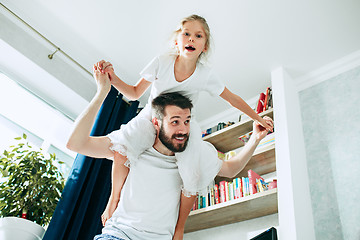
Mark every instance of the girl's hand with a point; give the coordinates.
(106, 67)
(259, 131)
(267, 123)
(102, 80)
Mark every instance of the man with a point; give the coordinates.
(151, 204)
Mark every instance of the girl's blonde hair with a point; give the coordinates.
(190, 18)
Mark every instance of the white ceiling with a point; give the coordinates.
(251, 37)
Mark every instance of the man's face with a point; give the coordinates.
(175, 128)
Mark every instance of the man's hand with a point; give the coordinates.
(102, 80)
(259, 131)
(106, 67)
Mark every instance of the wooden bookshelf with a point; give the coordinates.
(262, 162)
(228, 138)
(241, 209)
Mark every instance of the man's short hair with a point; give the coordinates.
(166, 99)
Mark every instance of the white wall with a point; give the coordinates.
(330, 116)
(24, 58)
(329, 112)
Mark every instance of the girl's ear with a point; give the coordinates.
(204, 50)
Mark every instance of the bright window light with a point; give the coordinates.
(23, 112)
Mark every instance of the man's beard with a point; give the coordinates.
(167, 141)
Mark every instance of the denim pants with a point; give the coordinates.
(106, 237)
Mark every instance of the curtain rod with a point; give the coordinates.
(47, 40)
(52, 44)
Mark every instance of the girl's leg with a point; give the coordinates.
(119, 174)
(198, 164)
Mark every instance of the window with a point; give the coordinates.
(23, 112)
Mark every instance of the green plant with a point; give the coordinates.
(31, 183)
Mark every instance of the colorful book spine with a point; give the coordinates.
(260, 105)
(236, 187)
(226, 191)
(222, 191)
(267, 140)
(252, 181)
(212, 197)
(240, 191)
(267, 97)
(231, 191)
(221, 155)
(247, 189)
(216, 189)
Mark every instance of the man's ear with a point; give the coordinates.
(156, 124)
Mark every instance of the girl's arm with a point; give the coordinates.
(237, 102)
(129, 91)
(186, 204)
(80, 140)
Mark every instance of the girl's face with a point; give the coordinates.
(191, 41)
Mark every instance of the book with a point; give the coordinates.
(231, 191)
(259, 186)
(212, 197)
(216, 190)
(221, 155)
(267, 95)
(245, 138)
(229, 155)
(236, 187)
(222, 191)
(247, 186)
(252, 180)
(226, 191)
(266, 141)
(246, 191)
(260, 105)
(269, 101)
(240, 187)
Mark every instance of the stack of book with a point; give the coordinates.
(225, 191)
(265, 101)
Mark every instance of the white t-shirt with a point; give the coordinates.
(198, 164)
(160, 71)
(150, 198)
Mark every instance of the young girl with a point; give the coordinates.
(181, 72)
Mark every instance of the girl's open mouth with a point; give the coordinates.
(190, 48)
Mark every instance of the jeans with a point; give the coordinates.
(106, 237)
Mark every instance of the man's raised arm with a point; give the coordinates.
(80, 140)
(234, 165)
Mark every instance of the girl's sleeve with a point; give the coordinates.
(132, 139)
(214, 85)
(149, 73)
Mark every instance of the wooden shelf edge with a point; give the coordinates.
(222, 131)
(266, 148)
(249, 207)
(233, 202)
(257, 163)
(227, 139)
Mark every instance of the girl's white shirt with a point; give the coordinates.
(199, 163)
